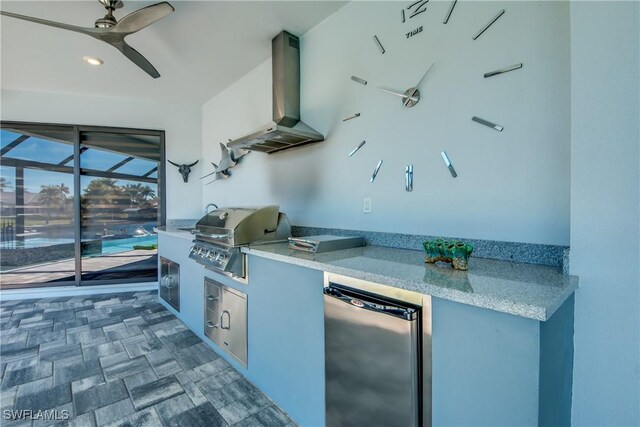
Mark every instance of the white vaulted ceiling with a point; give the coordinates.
(199, 50)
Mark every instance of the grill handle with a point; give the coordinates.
(211, 236)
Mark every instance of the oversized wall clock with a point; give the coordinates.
(409, 26)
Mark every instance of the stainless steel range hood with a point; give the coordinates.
(286, 130)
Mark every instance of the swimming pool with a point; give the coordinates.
(120, 245)
(108, 246)
(34, 242)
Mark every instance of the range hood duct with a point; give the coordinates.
(286, 131)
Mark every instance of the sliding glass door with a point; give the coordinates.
(37, 219)
(119, 205)
(79, 204)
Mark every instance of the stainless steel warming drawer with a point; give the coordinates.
(225, 319)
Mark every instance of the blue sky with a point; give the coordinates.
(52, 152)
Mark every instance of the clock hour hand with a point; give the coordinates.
(415, 88)
(402, 95)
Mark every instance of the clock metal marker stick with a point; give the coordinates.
(419, 11)
(415, 89)
(375, 172)
(503, 70)
(359, 80)
(403, 19)
(357, 148)
(408, 178)
(351, 117)
(448, 163)
(487, 123)
(490, 23)
(453, 4)
(379, 44)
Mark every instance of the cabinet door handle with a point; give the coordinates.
(222, 320)
(212, 298)
(211, 325)
(169, 281)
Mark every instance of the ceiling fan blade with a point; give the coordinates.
(142, 18)
(93, 32)
(137, 58)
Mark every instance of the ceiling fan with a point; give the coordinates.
(113, 32)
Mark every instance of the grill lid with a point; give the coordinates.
(237, 225)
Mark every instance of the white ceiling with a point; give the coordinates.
(199, 50)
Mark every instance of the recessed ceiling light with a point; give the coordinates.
(92, 60)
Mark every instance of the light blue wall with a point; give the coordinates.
(605, 203)
(286, 336)
(485, 367)
(556, 367)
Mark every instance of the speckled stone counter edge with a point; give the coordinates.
(174, 225)
(529, 311)
(530, 253)
(181, 223)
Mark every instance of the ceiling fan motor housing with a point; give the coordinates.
(109, 20)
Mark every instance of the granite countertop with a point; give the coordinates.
(526, 290)
(175, 231)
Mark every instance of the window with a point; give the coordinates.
(79, 204)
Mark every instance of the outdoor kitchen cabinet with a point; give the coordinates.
(488, 367)
(175, 248)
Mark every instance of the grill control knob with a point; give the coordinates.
(224, 215)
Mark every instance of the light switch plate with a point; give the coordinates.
(366, 205)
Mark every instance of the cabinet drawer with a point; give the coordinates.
(212, 325)
(225, 323)
(212, 296)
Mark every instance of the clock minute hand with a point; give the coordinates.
(415, 88)
(402, 95)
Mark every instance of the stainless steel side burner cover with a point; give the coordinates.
(325, 243)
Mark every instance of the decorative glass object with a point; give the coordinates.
(451, 251)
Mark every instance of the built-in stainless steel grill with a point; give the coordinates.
(221, 233)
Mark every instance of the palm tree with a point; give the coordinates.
(147, 193)
(53, 197)
(103, 196)
(5, 184)
(139, 194)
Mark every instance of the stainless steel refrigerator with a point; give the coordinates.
(372, 359)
